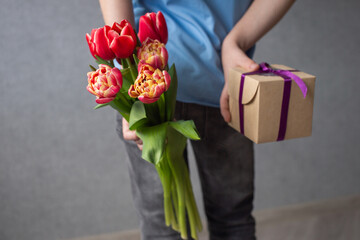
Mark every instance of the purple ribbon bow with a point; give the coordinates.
(287, 75)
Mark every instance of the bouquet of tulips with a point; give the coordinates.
(143, 91)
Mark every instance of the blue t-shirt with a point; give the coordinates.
(196, 30)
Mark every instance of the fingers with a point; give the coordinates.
(139, 144)
(130, 135)
(224, 104)
(249, 65)
(127, 133)
(232, 56)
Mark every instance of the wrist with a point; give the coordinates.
(238, 40)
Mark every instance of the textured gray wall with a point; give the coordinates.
(62, 168)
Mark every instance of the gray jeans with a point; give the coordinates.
(225, 161)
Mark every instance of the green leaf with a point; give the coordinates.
(186, 128)
(154, 139)
(121, 107)
(170, 94)
(176, 143)
(92, 68)
(137, 116)
(125, 99)
(101, 105)
(99, 60)
(152, 113)
(127, 81)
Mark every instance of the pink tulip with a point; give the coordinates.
(154, 53)
(104, 83)
(110, 42)
(150, 84)
(153, 26)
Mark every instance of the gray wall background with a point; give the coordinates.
(62, 169)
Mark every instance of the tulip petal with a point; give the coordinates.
(167, 79)
(102, 45)
(111, 91)
(157, 63)
(152, 16)
(89, 88)
(111, 35)
(124, 28)
(123, 46)
(154, 53)
(116, 27)
(147, 100)
(146, 29)
(161, 27)
(165, 55)
(104, 83)
(118, 76)
(91, 45)
(104, 100)
(128, 30)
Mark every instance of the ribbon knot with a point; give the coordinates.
(265, 68)
(287, 75)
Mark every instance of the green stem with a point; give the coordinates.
(191, 203)
(191, 216)
(175, 198)
(133, 71)
(124, 64)
(181, 190)
(186, 199)
(169, 178)
(174, 222)
(176, 171)
(111, 63)
(167, 202)
(138, 43)
(173, 201)
(161, 105)
(182, 209)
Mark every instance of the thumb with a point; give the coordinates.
(246, 63)
(253, 66)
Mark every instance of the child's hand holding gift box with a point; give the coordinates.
(272, 104)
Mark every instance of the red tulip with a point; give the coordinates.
(104, 83)
(150, 84)
(124, 43)
(110, 42)
(153, 26)
(99, 42)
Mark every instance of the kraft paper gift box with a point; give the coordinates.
(272, 106)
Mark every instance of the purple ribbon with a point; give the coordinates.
(287, 75)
